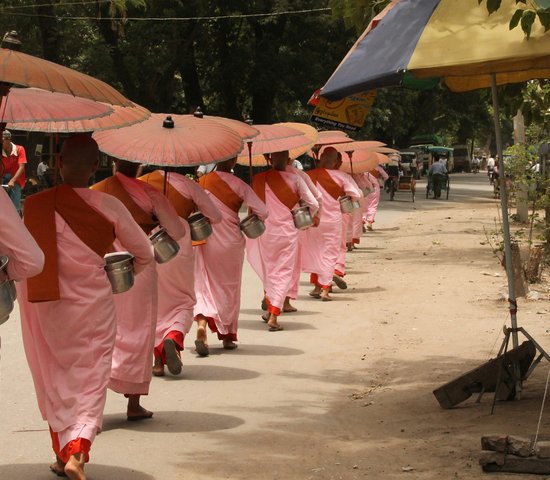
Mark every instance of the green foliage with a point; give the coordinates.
(525, 16)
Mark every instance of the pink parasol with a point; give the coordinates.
(308, 131)
(272, 138)
(176, 140)
(362, 161)
(34, 104)
(119, 117)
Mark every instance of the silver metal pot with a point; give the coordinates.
(302, 218)
(7, 291)
(252, 226)
(347, 205)
(120, 271)
(200, 227)
(165, 247)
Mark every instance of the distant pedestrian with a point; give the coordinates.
(14, 160)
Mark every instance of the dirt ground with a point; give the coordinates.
(345, 391)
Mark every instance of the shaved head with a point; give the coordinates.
(279, 160)
(80, 153)
(330, 158)
(128, 169)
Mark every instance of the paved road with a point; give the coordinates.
(230, 415)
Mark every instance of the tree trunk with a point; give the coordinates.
(49, 30)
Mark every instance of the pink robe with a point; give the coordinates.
(293, 292)
(363, 182)
(321, 245)
(273, 255)
(25, 257)
(374, 198)
(219, 263)
(69, 342)
(137, 308)
(176, 278)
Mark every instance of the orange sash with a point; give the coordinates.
(92, 228)
(221, 190)
(183, 205)
(375, 173)
(113, 187)
(323, 178)
(278, 186)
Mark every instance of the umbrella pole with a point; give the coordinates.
(165, 185)
(505, 223)
(351, 161)
(512, 301)
(250, 172)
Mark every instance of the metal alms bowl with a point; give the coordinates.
(302, 218)
(7, 291)
(200, 227)
(252, 226)
(120, 271)
(347, 205)
(164, 246)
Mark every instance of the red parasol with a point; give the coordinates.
(176, 140)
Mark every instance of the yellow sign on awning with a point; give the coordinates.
(348, 113)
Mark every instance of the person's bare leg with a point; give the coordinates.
(201, 343)
(74, 468)
(287, 307)
(135, 411)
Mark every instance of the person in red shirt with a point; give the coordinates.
(14, 160)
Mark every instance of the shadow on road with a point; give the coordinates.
(285, 320)
(258, 350)
(40, 471)
(172, 422)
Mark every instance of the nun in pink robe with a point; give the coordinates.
(321, 245)
(373, 199)
(273, 255)
(25, 257)
(69, 342)
(219, 262)
(176, 278)
(365, 185)
(293, 292)
(137, 308)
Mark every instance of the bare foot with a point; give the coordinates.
(316, 292)
(201, 343)
(273, 324)
(58, 467)
(139, 413)
(229, 344)
(158, 367)
(325, 297)
(74, 468)
(287, 307)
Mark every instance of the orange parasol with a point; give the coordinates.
(176, 140)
